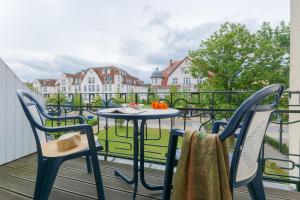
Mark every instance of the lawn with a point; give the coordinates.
(155, 147)
(119, 144)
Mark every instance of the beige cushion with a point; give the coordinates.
(52, 149)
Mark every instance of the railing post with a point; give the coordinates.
(136, 98)
(80, 106)
(58, 108)
(280, 135)
(106, 130)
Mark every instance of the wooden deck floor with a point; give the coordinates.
(17, 181)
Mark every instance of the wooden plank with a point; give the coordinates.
(77, 182)
(26, 189)
(73, 179)
(4, 194)
(77, 170)
(110, 181)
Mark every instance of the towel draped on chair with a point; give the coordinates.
(203, 169)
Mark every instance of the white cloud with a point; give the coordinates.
(43, 38)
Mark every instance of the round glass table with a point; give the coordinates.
(138, 141)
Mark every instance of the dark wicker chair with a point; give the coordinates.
(48, 164)
(245, 168)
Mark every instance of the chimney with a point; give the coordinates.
(171, 62)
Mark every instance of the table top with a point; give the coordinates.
(147, 114)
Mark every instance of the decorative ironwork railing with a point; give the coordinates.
(198, 111)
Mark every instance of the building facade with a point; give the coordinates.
(45, 86)
(108, 79)
(176, 74)
(70, 83)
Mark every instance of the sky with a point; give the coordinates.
(43, 38)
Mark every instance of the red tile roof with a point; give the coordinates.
(78, 75)
(47, 82)
(126, 78)
(170, 69)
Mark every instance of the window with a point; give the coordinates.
(155, 81)
(89, 80)
(199, 81)
(79, 88)
(187, 81)
(175, 81)
(93, 88)
(85, 88)
(98, 88)
(93, 79)
(45, 89)
(90, 88)
(110, 88)
(105, 87)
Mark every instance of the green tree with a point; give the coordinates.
(178, 97)
(97, 101)
(76, 101)
(119, 99)
(235, 59)
(56, 98)
(226, 55)
(130, 96)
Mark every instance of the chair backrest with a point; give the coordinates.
(33, 111)
(254, 113)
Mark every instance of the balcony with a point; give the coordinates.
(198, 111)
(17, 181)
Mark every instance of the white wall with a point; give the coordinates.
(180, 73)
(294, 134)
(37, 86)
(16, 137)
(91, 73)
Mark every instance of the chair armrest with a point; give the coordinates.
(79, 127)
(78, 117)
(216, 126)
(84, 128)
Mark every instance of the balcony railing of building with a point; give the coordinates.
(198, 111)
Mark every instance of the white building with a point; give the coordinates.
(176, 74)
(70, 83)
(45, 86)
(109, 79)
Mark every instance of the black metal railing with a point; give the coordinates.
(198, 110)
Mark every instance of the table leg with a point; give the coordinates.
(134, 179)
(142, 160)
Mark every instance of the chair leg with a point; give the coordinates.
(51, 172)
(88, 164)
(170, 167)
(256, 187)
(98, 177)
(39, 179)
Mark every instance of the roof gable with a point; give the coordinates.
(171, 68)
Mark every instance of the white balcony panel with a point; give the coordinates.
(16, 137)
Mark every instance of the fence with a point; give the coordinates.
(198, 111)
